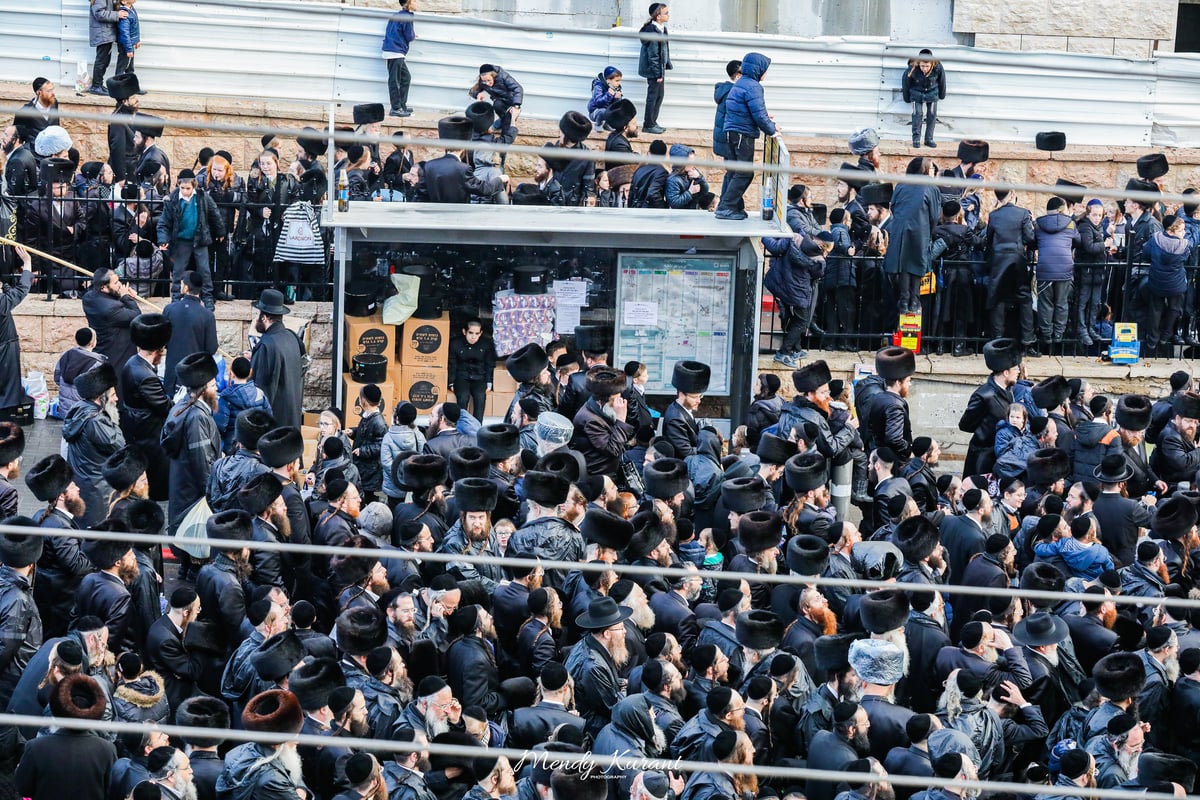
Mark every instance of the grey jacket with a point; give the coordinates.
(252, 772)
(102, 23)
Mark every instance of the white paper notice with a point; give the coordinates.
(641, 314)
(570, 293)
(566, 318)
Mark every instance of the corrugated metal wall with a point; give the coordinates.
(278, 50)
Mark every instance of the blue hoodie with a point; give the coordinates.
(745, 108)
(399, 34)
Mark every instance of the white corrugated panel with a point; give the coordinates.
(318, 53)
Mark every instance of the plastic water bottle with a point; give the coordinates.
(343, 192)
(768, 208)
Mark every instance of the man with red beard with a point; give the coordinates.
(811, 404)
(1092, 632)
(594, 662)
(814, 619)
(190, 437)
(105, 593)
(262, 498)
(63, 564)
(472, 534)
(888, 416)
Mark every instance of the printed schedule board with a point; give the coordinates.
(675, 308)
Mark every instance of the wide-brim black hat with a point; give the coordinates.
(257, 495)
(917, 538)
(468, 462)
(250, 426)
(1113, 469)
(745, 494)
(1187, 405)
(1050, 393)
(424, 471)
(279, 447)
(19, 550)
(1133, 412)
(150, 331)
(455, 128)
(313, 681)
(1119, 676)
(575, 126)
(1041, 629)
(1154, 767)
(271, 302)
(811, 377)
(203, 711)
(360, 630)
(232, 524)
(774, 450)
(603, 612)
(604, 382)
(144, 517)
(196, 370)
(273, 711)
(806, 471)
(621, 113)
(759, 530)
(499, 440)
(664, 478)
(884, 610)
(833, 652)
(606, 529)
(875, 194)
(758, 629)
(49, 478)
(691, 377)
(123, 87)
(593, 338)
(547, 489)
(367, 113)
(1002, 354)
(482, 115)
(122, 469)
(807, 555)
(973, 151)
(1152, 166)
(475, 494)
(276, 657)
(895, 363)
(148, 125)
(1051, 141)
(1046, 465)
(96, 381)
(103, 554)
(527, 363)
(1173, 518)
(12, 442)
(568, 464)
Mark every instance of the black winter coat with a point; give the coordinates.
(368, 442)
(472, 675)
(229, 474)
(193, 330)
(1120, 518)
(59, 572)
(926, 638)
(191, 441)
(648, 189)
(601, 440)
(143, 409)
(279, 373)
(472, 362)
(1092, 640)
(222, 598)
(597, 686)
(251, 773)
(41, 774)
(106, 596)
(91, 437)
(532, 725)
(987, 406)
(210, 226)
(915, 80)
(167, 655)
(887, 725)
(20, 630)
(655, 57)
(889, 423)
(110, 317)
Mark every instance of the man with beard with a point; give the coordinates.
(144, 402)
(811, 405)
(814, 619)
(888, 417)
(63, 565)
(1176, 458)
(171, 771)
(996, 566)
(759, 533)
(280, 450)
(673, 612)
(359, 630)
(261, 497)
(21, 170)
(425, 476)
(267, 618)
(880, 666)
(709, 669)
(629, 595)
(989, 403)
(124, 89)
(1161, 659)
(276, 362)
(844, 536)
(919, 473)
(964, 535)
(338, 522)
(472, 534)
(925, 635)
(147, 129)
(190, 437)
(545, 534)
(981, 646)
(349, 720)
(254, 770)
(530, 368)
(470, 666)
(1119, 678)
(20, 623)
(1092, 631)
(12, 446)
(595, 660)
(951, 766)
(841, 683)
(835, 749)
(433, 710)
(662, 686)
(501, 444)
(691, 380)
(442, 435)
(924, 558)
(105, 593)
(387, 692)
(602, 427)
(1041, 634)
(92, 435)
(1117, 754)
(166, 651)
(231, 473)
(359, 581)
(536, 646)
(219, 583)
(404, 777)
(496, 779)
(1076, 769)
(313, 682)
(401, 611)
(721, 632)
(724, 710)
(365, 777)
(631, 734)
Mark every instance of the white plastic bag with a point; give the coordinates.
(83, 77)
(35, 387)
(192, 533)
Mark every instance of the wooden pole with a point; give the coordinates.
(69, 265)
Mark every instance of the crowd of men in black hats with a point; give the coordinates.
(913, 679)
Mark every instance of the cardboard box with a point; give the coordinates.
(369, 335)
(311, 420)
(425, 342)
(424, 387)
(502, 381)
(498, 403)
(350, 391)
(310, 434)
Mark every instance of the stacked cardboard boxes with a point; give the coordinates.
(423, 353)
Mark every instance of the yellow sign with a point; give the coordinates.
(929, 283)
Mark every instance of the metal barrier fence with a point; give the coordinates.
(957, 316)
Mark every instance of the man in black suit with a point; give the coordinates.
(1119, 516)
(690, 379)
(448, 179)
(1091, 632)
(193, 327)
(532, 725)
(833, 750)
(40, 112)
(964, 535)
(672, 610)
(166, 652)
(989, 403)
(110, 307)
(121, 157)
(21, 171)
(1010, 236)
(144, 400)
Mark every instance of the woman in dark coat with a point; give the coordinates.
(916, 210)
(268, 193)
(11, 393)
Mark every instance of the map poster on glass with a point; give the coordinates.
(675, 308)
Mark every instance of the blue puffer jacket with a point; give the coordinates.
(129, 31)
(1167, 255)
(600, 95)
(745, 108)
(1056, 235)
(1191, 232)
(720, 92)
(399, 34)
(793, 273)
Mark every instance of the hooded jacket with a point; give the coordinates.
(505, 89)
(1168, 255)
(745, 107)
(793, 274)
(233, 400)
(229, 475)
(91, 437)
(1056, 236)
(191, 440)
(720, 93)
(629, 735)
(1094, 440)
(142, 700)
(982, 725)
(254, 772)
(601, 98)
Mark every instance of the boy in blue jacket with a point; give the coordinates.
(240, 395)
(1057, 237)
(745, 116)
(129, 36)
(396, 40)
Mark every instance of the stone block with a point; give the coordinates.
(29, 333)
(1099, 45)
(1043, 43)
(998, 41)
(231, 337)
(1133, 48)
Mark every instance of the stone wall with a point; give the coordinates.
(1104, 27)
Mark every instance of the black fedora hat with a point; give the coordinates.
(271, 302)
(1113, 469)
(1041, 629)
(603, 612)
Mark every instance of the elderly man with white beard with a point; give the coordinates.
(759, 533)
(595, 660)
(256, 771)
(641, 622)
(880, 666)
(171, 769)
(1161, 658)
(962, 708)
(989, 653)
(434, 709)
(1117, 752)
(951, 766)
